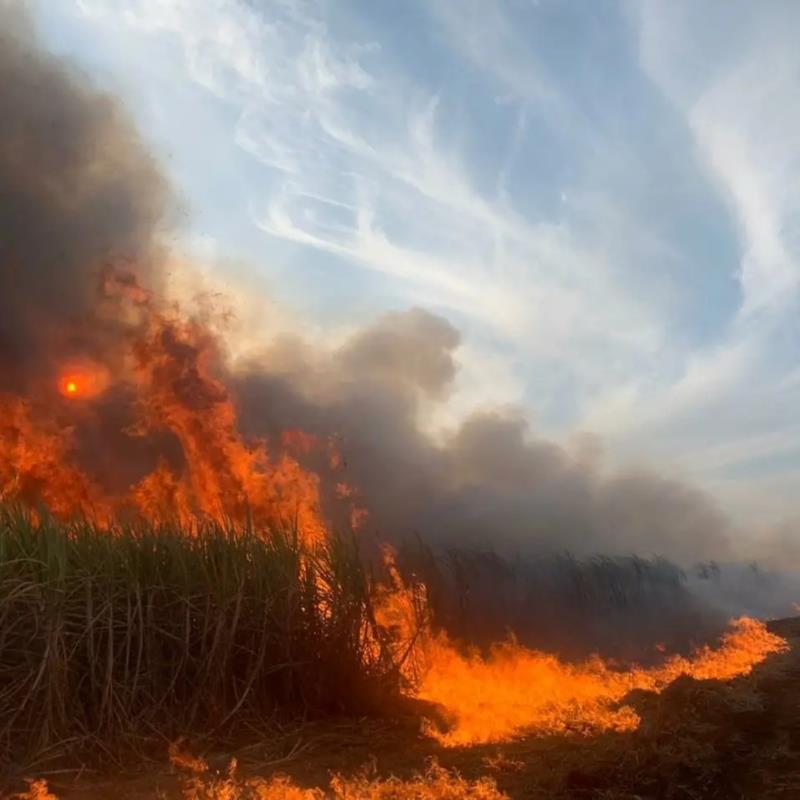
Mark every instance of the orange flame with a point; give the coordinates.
(171, 365)
(35, 465)
(83, 378)
(224, 477)
(516, 690)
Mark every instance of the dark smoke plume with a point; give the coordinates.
(516, 532)
(78, 191)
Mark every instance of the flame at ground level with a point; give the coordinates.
(516, 690)
(436, 783)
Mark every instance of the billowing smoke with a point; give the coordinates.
(490, 482)
(78, 191)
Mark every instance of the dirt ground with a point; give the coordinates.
(698, 739)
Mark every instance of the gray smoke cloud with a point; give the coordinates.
(78, 190)
(526, 534)
(491, 481)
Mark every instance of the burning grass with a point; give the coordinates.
(515, 689)
(698, 738)
(108, 635)
(435, 783)
(111, 635)
(625, 607)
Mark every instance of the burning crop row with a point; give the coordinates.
(514, 690)
(166, 377)
(107, 633)
(226, 594)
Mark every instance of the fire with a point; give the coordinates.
(516, 690)
(436, 783)
(224, 477)
(171, 365)
(35, 465)
(83, 378)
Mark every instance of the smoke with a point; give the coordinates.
(78, 191)
(746, 588)
(491, 481)
(498, 505)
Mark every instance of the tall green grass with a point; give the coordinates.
(108, 637)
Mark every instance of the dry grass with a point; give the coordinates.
(700, 740)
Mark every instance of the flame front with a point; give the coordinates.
(516, 690)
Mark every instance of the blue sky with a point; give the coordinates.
(603, 197)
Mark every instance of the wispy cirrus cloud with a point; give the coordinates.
(746, 125)
(365, 165)
(726, 417)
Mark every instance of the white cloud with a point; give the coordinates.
(750, 139)
(729, 409)
(745, 118)
(363, 172)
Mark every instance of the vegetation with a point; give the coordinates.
(123, 640)
(108, 637)
(619, 607)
